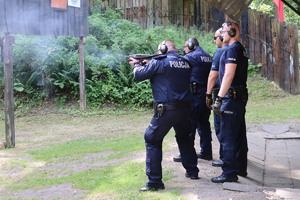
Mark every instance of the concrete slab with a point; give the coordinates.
(276, 128)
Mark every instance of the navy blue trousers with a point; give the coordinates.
(200, 122)
(180, 120)
(233, 136)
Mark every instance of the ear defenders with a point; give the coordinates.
(191, 45)
(232, 32)
(163, 48)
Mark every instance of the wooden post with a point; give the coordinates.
(82, 74)
(8, 41)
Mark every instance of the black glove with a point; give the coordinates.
(217, 106)
(209, 100)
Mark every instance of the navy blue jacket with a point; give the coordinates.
(201, 63)
(169, 76)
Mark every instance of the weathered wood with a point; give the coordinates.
(8, 41)
(165, 13)
(150, 13)
(270, 56)
(37, 17)
(82, 73)
(186, 14)
(257, 48)
(262, 38)
(157, 13)
(287, 65)
(251, 35)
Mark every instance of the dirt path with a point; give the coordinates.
(47, 128)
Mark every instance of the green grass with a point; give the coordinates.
(121, 146)
(268, 103)
(120, 181)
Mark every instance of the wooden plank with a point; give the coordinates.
(281, 71)
(262, 37)
(179, 12)
(15, 17)
(251, 35)
(257, 52)
(270, 56)
(31, 17)
(84, 21)
(186, 14)
(244, 30)
(286, 64)
(82, 74)
(157, 12)
(294, 56)
(150, 13)
(8, 41)
(3, 27)
(165, 15)
(276, 48)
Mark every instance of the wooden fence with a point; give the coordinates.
(275, 46)
(269, 42)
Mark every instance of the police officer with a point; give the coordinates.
(201, 63)
(231, 105)
(169, 76)
(213, 87)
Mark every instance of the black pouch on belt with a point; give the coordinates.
(193, 88)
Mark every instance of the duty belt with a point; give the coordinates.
(160, 108)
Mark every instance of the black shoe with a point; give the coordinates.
(193, 177)
(243, 174)
(224, 178)
(177, 158)
(204, 157)
(148, 188)
(218, 163)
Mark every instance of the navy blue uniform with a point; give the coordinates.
(201, 63)
(233, 126)
(215, 67)
(169, 76)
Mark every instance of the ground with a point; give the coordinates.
(45, 127)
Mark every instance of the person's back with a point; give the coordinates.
(201, 64)
(169, 75)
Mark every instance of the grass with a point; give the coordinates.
(268, 103)
(119, 175)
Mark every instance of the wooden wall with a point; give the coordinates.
(275, 46)
(269, 42)
(37, 17)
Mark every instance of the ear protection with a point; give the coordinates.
(163, 48)
(220, 37)
(232, 32)
(191, 45)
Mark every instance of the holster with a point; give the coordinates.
(194, 89)
(238, 92)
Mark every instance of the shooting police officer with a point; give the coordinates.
(231, 105)
(169, 76)
(200, 63)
